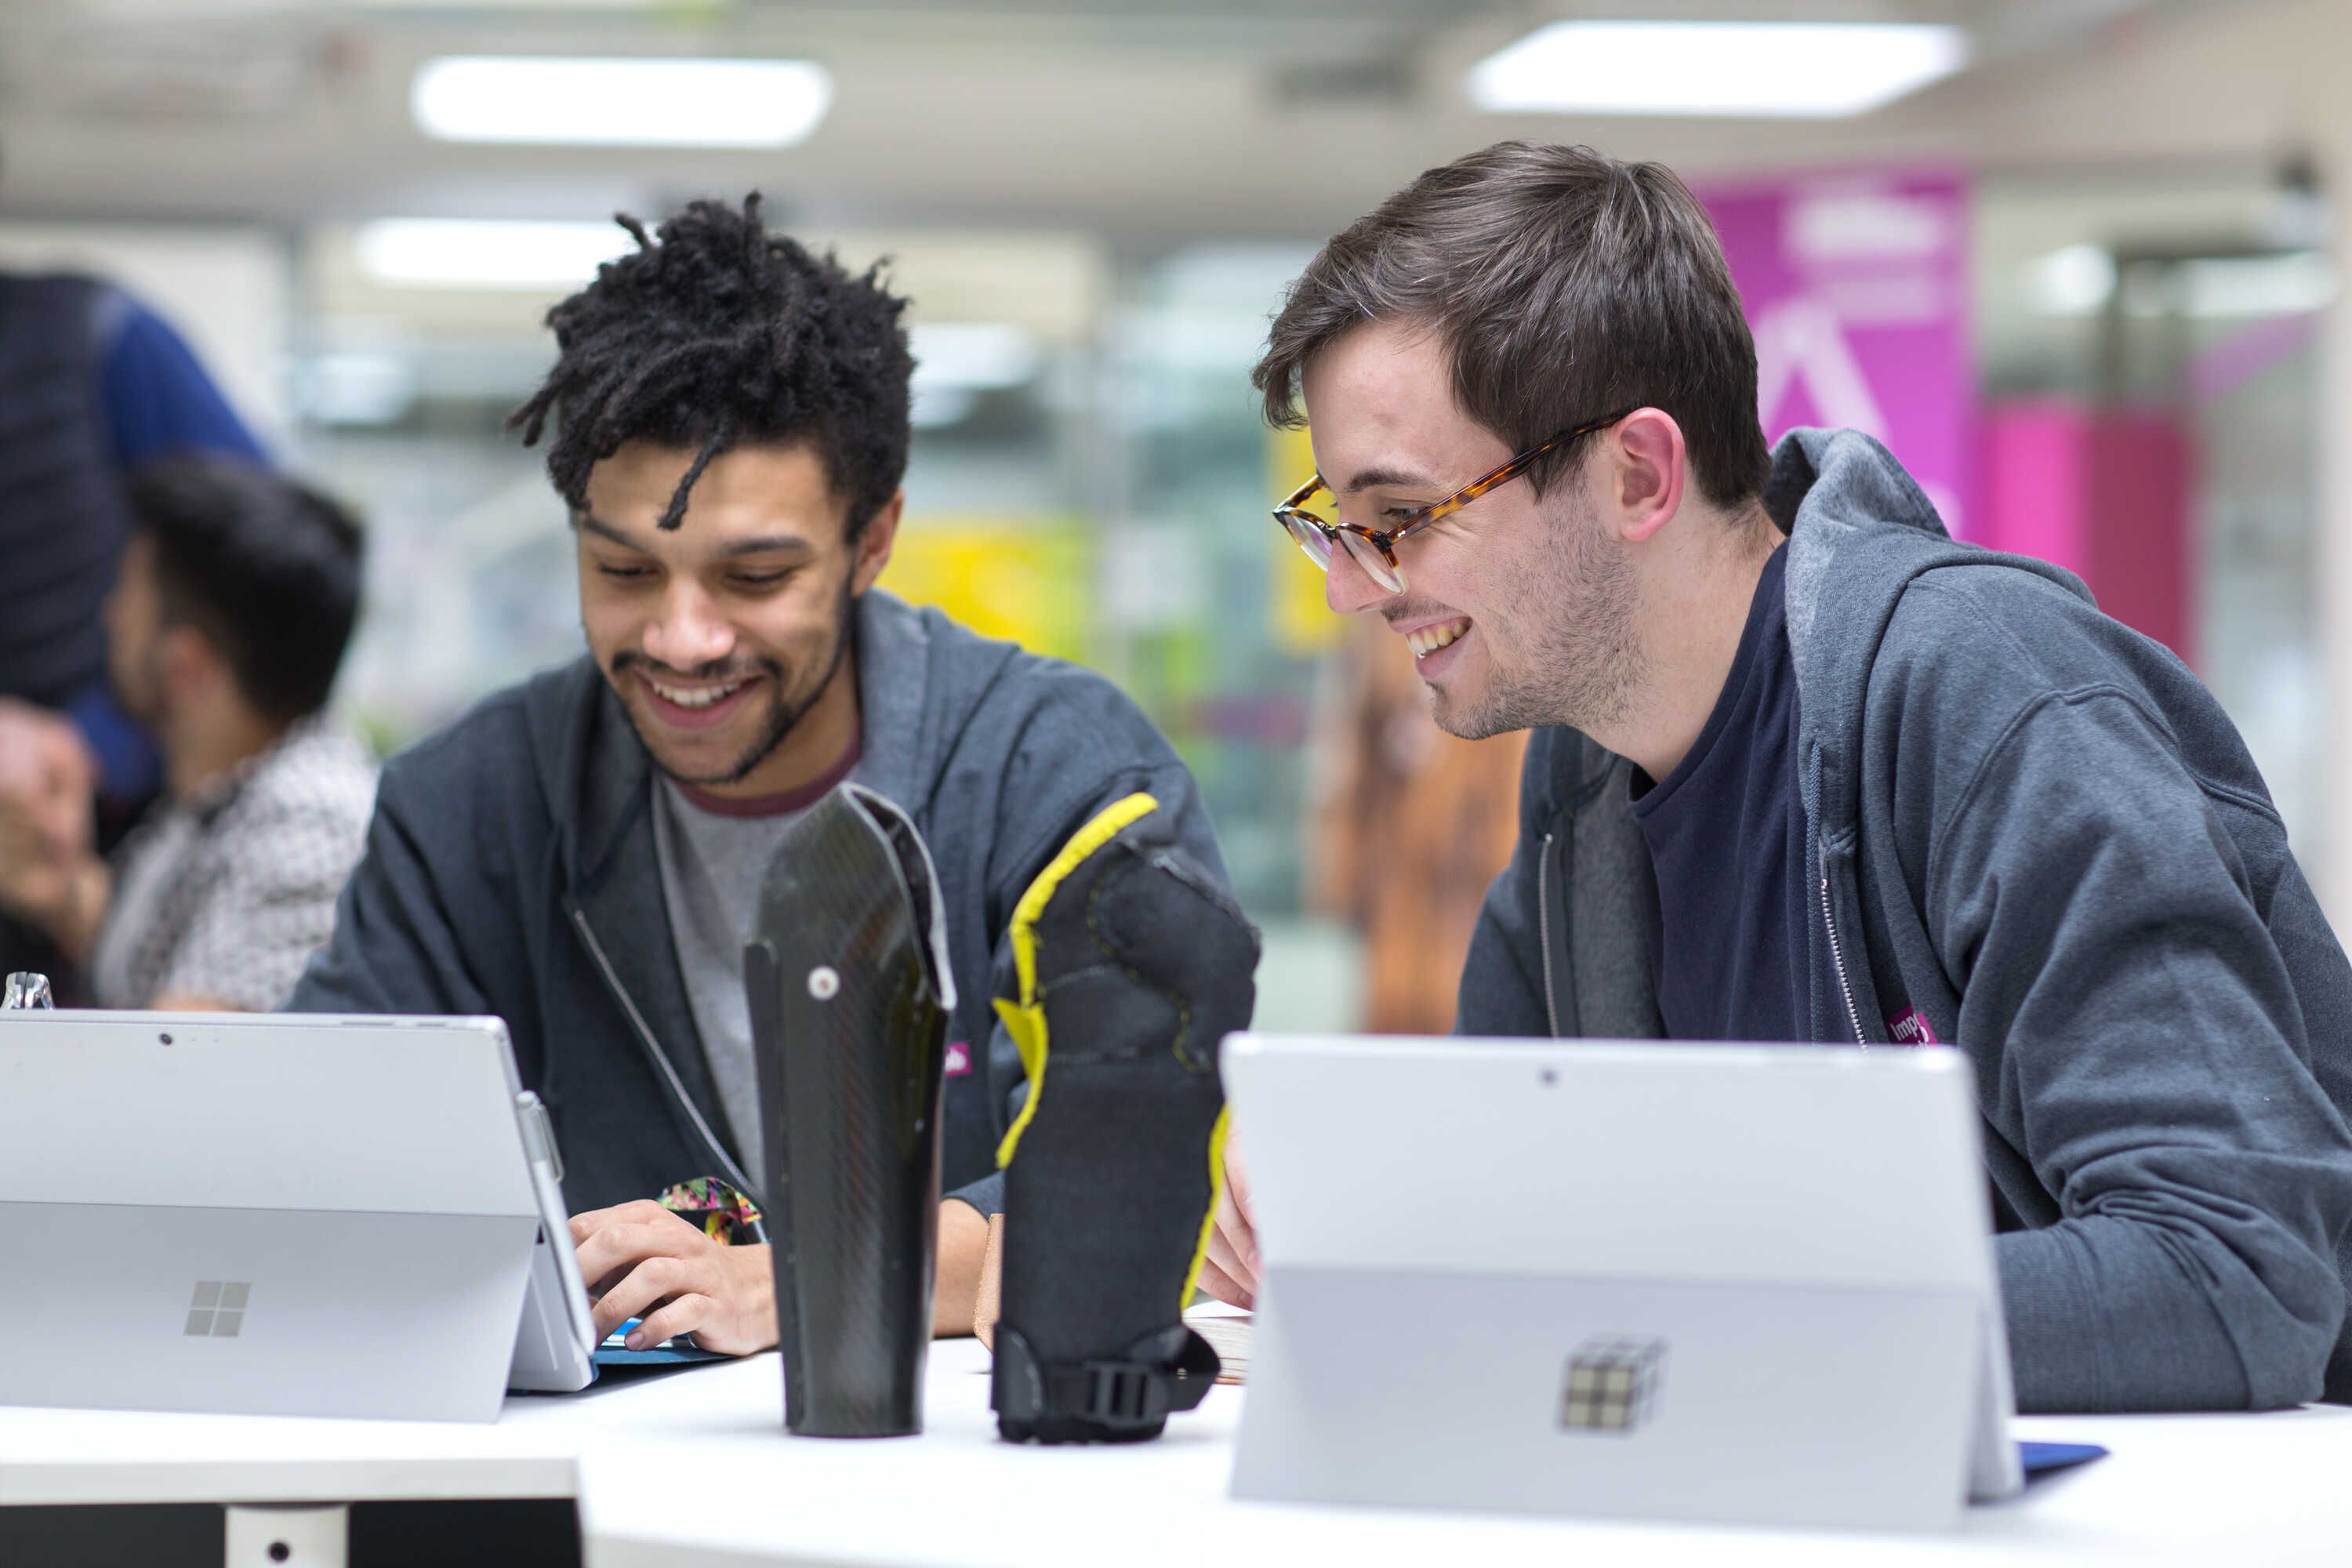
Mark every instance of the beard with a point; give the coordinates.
(1562, 648)
(785, 706)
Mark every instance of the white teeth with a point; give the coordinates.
(700, 699)
(1429, 639)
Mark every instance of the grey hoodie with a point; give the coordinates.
(2032, 833)
(510, 869)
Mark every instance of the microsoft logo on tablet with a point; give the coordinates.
(219, 1309)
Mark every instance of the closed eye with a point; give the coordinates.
(624, 573)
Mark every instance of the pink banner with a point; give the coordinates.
(2104, 493)
(1856, 289)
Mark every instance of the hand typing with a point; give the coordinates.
(640, 1260)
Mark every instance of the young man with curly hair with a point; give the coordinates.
(581, 854)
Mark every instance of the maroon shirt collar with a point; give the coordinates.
(777, 804)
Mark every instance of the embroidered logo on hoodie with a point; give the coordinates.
(1910, 1027)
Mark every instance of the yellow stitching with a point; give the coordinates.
(1176, 1048)
(1106, 826)
(1216, 1196)
(1025, 1020)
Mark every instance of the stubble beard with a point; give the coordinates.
(784, 711)
(1563, 649)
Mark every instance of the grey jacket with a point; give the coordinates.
(511, 870)
(2032, 828)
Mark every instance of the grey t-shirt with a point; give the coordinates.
(711, 863)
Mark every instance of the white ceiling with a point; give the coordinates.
(1145, 121)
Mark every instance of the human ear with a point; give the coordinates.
(873, 544)
(1646, 473)
(187, 662)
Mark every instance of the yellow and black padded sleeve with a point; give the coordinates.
(1131, 963)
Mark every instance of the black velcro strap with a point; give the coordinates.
(1168, 1370)
(1119, 1394)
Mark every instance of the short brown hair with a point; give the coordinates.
(1565, 285)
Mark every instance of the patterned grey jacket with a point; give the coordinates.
(227, 896)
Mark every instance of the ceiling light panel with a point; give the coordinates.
(620, 102)
(471, 253)
(1808, 70)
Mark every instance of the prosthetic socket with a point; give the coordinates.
(1130, 967)
(850, 997)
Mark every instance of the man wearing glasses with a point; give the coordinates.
(1805, 769)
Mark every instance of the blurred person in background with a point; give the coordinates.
(236, 594)
(1409, 826)
(1805, 769)
(96, 384)
(582, 854)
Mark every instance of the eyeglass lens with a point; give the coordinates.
(1317, 542)
(1311, 539)
(1376, 565)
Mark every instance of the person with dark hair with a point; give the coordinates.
(582, 854)
(236, 595)
(1805, 769)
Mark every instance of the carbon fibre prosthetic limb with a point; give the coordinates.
(1132, 964)
(851, 994)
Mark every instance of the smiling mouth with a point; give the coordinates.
(692, 697)
(1429, 639)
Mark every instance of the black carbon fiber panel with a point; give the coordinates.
(850, 1038)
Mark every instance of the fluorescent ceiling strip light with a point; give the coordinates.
(980, 356)
(620, 102)
(470, 253)
(1807, 70)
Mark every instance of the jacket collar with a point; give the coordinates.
(894, 694)
(1860, 531)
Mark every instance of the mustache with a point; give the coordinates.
(1396, 613)
(718, 669)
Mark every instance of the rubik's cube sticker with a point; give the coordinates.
(1612, 1383)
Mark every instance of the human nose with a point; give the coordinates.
(687, 632)
(1348, 588)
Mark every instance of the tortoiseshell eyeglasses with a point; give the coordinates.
(1374, 550)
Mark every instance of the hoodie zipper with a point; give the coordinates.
(1837, 958)
(1543, 931)
(717, 1153)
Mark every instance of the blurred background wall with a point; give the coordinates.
(2084, 278)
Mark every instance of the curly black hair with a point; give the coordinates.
(714, 333)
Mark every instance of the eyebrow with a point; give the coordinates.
(767, 544)
(1390, 478)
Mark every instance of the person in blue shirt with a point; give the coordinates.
(155, 394)
(92, 384)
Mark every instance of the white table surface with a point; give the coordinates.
(695, 1466)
